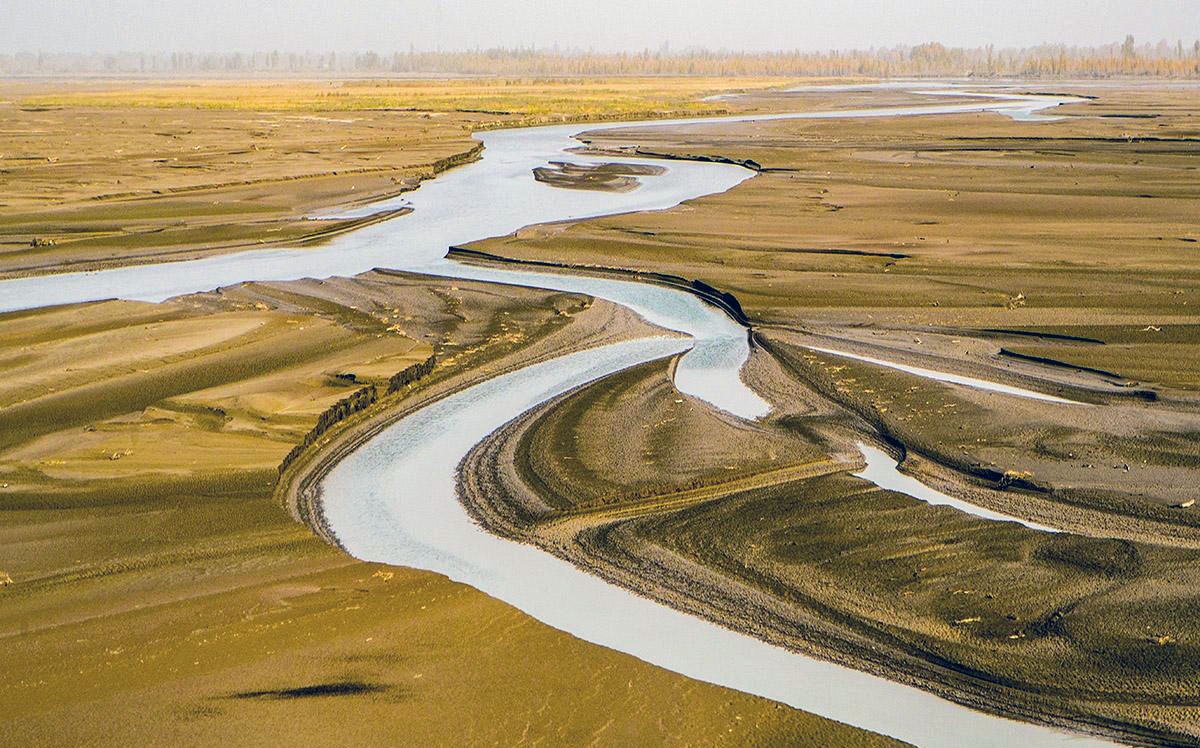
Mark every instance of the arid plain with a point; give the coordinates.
(158, 588)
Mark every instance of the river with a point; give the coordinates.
(394, 499)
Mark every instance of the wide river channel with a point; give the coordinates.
(394, 500)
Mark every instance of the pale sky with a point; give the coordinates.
(602, 25)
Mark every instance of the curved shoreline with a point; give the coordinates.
(298, 488)
(723, 300)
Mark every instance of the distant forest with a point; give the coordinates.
(1128, 58)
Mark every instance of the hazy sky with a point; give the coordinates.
(388, 25)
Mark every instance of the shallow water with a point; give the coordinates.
(884, 472)
(941, 376)
(1026, 108)
(394, 499)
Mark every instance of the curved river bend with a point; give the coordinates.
(425, 526)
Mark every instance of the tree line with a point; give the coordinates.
(1127, 58)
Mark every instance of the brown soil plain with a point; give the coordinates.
(153, 589)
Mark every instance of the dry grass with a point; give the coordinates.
(539, 98)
